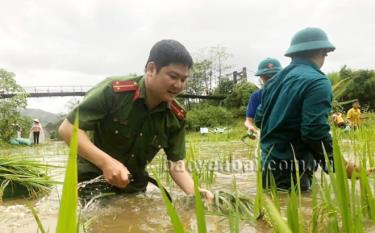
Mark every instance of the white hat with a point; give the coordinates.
(36, 120)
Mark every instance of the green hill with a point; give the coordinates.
(43, 116)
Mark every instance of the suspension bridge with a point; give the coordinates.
(62, 91)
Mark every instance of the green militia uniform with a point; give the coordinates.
(123, 127)
(293, 118)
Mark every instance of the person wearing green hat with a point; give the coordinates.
(132, 118)
(266, 69)
(293, 115)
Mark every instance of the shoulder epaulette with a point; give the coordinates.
(178, 110)
(125, 86)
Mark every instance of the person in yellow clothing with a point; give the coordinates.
(354, 115)
(338, 120)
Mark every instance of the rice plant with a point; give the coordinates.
(175, 219)
(67, 219)
(338, 204)
(24, 176)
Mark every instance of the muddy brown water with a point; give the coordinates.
(144, 212)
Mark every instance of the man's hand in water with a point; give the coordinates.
(115, 173)
(351, 167)
(207, 195)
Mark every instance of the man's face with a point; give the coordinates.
(320, 58)
(166, 84)
(263, 79)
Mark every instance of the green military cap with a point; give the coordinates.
(309, 39)
(268, 67)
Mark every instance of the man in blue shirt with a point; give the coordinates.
(293, 115)
(266, 69)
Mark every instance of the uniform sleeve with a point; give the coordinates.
(254, 102)
(94, 106)
(316, 107)
(248, 107)
(176, 149)
(259, 116)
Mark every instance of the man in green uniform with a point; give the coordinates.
(132, 118)
(267, 68)
(293, 116)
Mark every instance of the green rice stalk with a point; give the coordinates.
(274, 193)
(37, 219)
(278, 223)
(315, 207)
(175, 219)
(340, 185)
(367, 194)
(356, 206)
(294, 220)
(296, 165)
(258, 213)
(235, 215)
(333, 225)
(234, 223)
(24, 172)
(227, 203)
(326, 208)
(67, 218)
(199, 207)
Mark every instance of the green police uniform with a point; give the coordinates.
(293, 116)
(115, 110)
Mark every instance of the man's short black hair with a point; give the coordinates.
(166, 52)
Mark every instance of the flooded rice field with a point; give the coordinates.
(132, 213)
(232, 162)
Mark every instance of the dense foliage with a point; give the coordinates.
(238, 98)
(10, 118)
(360, 85)
(205, 115)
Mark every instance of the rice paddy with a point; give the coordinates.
(228, 167)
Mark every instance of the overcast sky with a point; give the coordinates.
(68, 42)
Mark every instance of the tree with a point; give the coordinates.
(225, 87)
(349, 85)
(209, 68)
(362, 87)
(219, 60)
(9, 107)
(340, 81)
(199, 82)
(238, 99)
